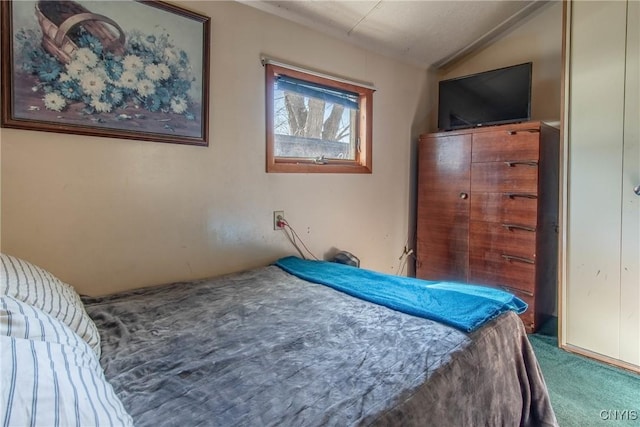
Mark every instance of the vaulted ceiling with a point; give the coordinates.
(423, 33)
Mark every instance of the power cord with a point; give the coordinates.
(404, 258)
(292, 235)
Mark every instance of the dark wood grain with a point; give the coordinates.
(443, 215)
(496, 237)
(490, 244)
(506, 144)
(444, 163)
(496, 177)
(443, 236)
(517, 208)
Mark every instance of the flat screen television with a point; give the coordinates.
(487, 98)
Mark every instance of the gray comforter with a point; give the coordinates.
(263, 347)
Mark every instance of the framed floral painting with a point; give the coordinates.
(122, 69)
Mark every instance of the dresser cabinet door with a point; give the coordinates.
(443, 208)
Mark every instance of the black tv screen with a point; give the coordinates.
(488, 98)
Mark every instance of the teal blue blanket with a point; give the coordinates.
(466, 307)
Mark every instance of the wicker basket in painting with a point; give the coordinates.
(58, 19)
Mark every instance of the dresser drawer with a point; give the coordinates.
(518, 208)
(509, 176)
(498, 272)
(503, 239)
(502, 255)
(529, 316)
(503, 145)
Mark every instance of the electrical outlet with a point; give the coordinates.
(277, 217)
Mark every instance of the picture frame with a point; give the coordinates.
(135, 69)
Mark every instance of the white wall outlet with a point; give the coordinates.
(277, 217)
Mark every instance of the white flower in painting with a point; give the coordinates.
(86, 57)
(101, 73)
(128, 80)
(152, 71)
(99, 106)
(146, 87)
(133, 63)
(92, 84)
(75, 69)
(178, 105)
(171, 56)
(165, 72)
(64, 77)
(54, 101)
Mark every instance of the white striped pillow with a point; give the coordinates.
(50, 384)
(35, 286)
(63, 385)
(21, 320)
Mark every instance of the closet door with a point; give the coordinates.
(630, 272)
(602, 297)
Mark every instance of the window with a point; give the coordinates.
(316, 123)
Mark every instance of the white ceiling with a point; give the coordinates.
(420, 32)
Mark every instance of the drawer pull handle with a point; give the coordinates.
(518, 227)
(521, 162)
(518, 259)
(464, 196)
(515, 132)
(517, 291)
(522, 195)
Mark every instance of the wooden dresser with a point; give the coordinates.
(488, 211)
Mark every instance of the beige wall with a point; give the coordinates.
(539, 40)
(106, 214)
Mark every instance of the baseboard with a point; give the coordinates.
(602, 358)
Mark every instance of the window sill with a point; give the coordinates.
(308, 167)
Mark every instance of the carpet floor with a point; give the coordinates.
(584, 392)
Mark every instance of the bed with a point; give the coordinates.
(270, 347)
